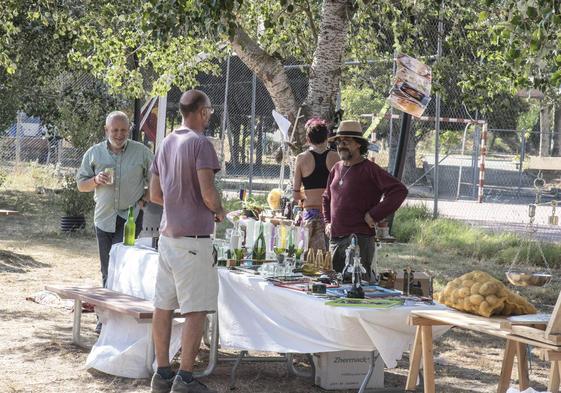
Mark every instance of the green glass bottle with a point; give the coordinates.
(259, 248)
(130, 229)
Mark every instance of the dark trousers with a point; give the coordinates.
(106, 239)
(367, 245)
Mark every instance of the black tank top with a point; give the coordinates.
(318, 178)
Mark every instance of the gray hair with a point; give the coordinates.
(116, 115)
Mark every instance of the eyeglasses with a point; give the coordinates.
(209, 108)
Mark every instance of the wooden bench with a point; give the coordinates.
(544, 163)
(5, 212)
(138, 308)
(104, 298)
(518, 335)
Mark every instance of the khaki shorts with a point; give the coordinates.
(186, 277)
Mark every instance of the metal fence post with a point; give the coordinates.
(19, 132)
(521, 159)
(251, 140)
(475, 160)
(224, 117)
(437, 120)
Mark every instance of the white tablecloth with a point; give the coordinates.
(253, 315)
(122, 346)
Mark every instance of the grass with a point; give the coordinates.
(415, 225)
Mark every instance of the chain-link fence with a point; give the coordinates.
(475, 151)
(27, 140)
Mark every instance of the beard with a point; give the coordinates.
(345, 154)
(115, 143)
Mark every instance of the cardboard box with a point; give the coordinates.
(418, 277)
(347, 369)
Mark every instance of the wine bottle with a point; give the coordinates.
(130, 229)
(259, 247)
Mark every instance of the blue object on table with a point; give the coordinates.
(370, 291)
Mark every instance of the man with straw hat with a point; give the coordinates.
(359, 193)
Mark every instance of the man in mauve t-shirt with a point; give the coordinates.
(183, 182)
(352, 201)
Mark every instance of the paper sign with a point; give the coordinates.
(283, 123)
(412, 85)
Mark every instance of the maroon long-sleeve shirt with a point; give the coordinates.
(364, 184)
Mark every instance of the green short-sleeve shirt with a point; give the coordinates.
(131, 175)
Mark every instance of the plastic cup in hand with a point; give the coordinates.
(110, 172)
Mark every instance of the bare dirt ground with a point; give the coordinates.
(36, 354)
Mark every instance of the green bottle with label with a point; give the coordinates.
(130, 229)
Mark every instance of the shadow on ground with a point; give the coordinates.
(11, 262)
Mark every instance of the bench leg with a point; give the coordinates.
(553, 384)
(506, 369)
(522, 356)
(428, 363)
(77, 322)
(414, 361)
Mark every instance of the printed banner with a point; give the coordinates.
(412, 85)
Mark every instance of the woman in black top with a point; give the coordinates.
(310, 179)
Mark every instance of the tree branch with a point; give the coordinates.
(269, 70)
(308, 12)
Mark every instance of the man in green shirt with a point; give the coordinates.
(117, 170)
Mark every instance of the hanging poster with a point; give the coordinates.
(410, 92)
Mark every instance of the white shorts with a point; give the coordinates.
(186, 277)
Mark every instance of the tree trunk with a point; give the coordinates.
(545, 130)
(270, 72)
(325, 72)
(557, 132)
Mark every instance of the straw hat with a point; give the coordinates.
(349, 128)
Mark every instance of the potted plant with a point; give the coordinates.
(75, 205)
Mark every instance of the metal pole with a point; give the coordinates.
(399, 163)
(251, 141)
(137, 110)
(224, 117)
(522, 157)
(475, 160)
(437, 115)
(458, 190)
(19, 134)
(390, 137)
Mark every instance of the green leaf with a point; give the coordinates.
(483, 16)
(556, 77)
(516, 20)
(532, 12)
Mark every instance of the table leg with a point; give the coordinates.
(150, 354)
(213, 347)
(506, 369)
(553, 383)
(235, 368)
(428, 364)
(522, 356)
(414, 361)
(77, 322)
(373, 357)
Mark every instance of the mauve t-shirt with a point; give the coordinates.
(176, 163)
